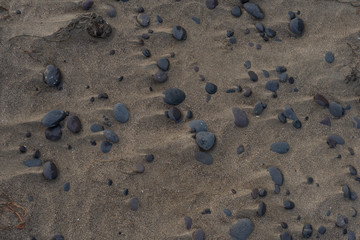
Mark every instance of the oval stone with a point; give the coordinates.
(134, 204)
(241, 119)
(54, 133)
(74, 124)
(50, 171)
(204, 157)
(174, 96)
(336, 109)
(272, 85)
(143, 19)
(297, 26)
(198, 125)
(179, 33)
(121, 113)
(211, 4)
(106, 146)
(163, 64)
(280, 147)
(276, 176)
(242, 229)
(53, 118)
(333, 140)
(96, 128)
(52, 75)
(254, 10)
(160, 76)
(205, 140)
(111, 136)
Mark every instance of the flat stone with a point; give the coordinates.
(259, 108)
(143, 19)
(276, 176)
(140, 168)
(53, 118)
(247, 64)
(161, 76)
(96, 128)
(163, 64)
(54, 133)
(198, 235)
(283, 77)
(210, 88)
(227, 212)
(236, 11)
(272, 85)
(254, 10)
(307, 231)
(121, 113)
(340, 221)
(289, 113)
(329, 57)
(336, 110)
(326, 122)
(205, 140)
(198, 125)
(134, 203)
(67, 187)
(297, 26)
(146, 52)
(260, 27)
(242, 229)
(174, 96)
(322, 230)
(175, 114)
(333, 140)
(50, 171)
(270, 32)
(204, 157)
(74, 124)
(35, 162)
(266, 74)
(99, 28)
(211, 4)
(179, 33)
(188, 222)
(321, 100)
(240, 149)
(261, 209)
(280, 147)
(52, 76)
(111, 136)
(106, 146)
(253, 76)
(285, 236)
(289, 205)
(57, 237)
(241, 119)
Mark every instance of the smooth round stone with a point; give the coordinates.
(333, 140)
(198, 125)
(210, 88)
(241, 119)
(276, 176)
(111, 136)
(87, 4)
(143, 19)
(340, 221)
(140, 168)
(254, 10)
(292, 15)
(53, 133)
(242, 229)
(57, 237)
(283, 77)
(188, 222)
(247, 92)
(22, 149)
(150, 157)
(52, 75)
(321, 100)
(96, 128)
(211, 4)
(259, 108)
(272, 85)
(289, 113)
(163, 64)
(253, 76)
(281, 69)
(270, 32)
(240, 149)
(205, 140)
(121, 113)
(35, 162)
(261, 209)
(280, 147)
(189, 114)
(307, 231)
(322, 230)
(111, 12)
(179, 33)
(262, 193)
(228, 212)
(260, 27)
(160, 76)
(266, 74)
(53, 118)
(297, 26)
(175, 114)
(174, 96)
(329, 57)
(336, 109)
(204, 157)
(289, 205)
(74, 124)
(236, 11)
(247, 64)
(297, 124)
(134, 204)
(50, 171)
(198, 235)
(146, 52)
(106, 146)
(99, 28)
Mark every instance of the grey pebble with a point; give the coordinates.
(283, 77)
(241, 119)
(188, 222)
(242, 229)
(333, 140)
(50, 170)
(205, 140)
(198, 125)
(297, 26)
(96, 128)
(111, 136)
(272, 85)
(236, 11)
(254, 10)
(198, 235)
(35, 162)
(276, 176)
(174, 96)
(140, 168)
(163, 64)
(121, 113)
(52, 75)
(161, 76)
(54, 133)
(179, 33)
(336, 110)
(307, 231)
(329, 57)
(106, 146)
(143, 19)
(204, 157)
(280, 147)
(52, 118)
(134, 204)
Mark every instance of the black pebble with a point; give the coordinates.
(37, 154)
(50, 171)
(112, 52)
(146, 52)
(163, 64)
(297, 124)
(247, 31)
(270, 32)
(253, 76)
(52, 76)
(149, 158)
(206, 211)
(211, 88)
(145, 36)
(240, 149)
(291, 15)
(195, 19)
(175, 114)
(262, 193)
(329, 57)
(106, 146)
(258, 46)
(297, 26)
(189, 114)
(22, 149)
(57, 237)
(18, 11)
(93, 142)
(52, 118)
(229, 33)
(53, 133)
(282, 117)
(179, 33)
(241, 119)
(174, 96)
(126, 191)
(247, 64)
(307, 231)
(322, 230)
(259, 107)
(141, 10)
(310, 180)
(87, 4)
(67, 187)
(74, 124)
(289, 205)
(160, 20)
(272, 85)
(254, 10)
(28, 134)
(198, 235)
(291, 80)
(353, 171)
(262, 209)
(284, 225)
(211, 4)
(248, 92)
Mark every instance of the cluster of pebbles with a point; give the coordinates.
(242, 229)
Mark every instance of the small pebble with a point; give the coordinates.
(146, 52)
(50, 170)
(54, 133)
(276, 176)
(322, 230)
(134, 204)
(110, 11)
(240, 149)
(247, 64)
(236, 11)
(163, 64)
(291, 15)
(35, 162)
(321, 100)
(241, 119)
(280, 147)
(329, 57)
(179, 33)
(96, 128)
(160, 20)
(210, 88)
(247, 92)
(140, 168)
(106, 146)
(285, 236)
(67, 187)
(289, 205)
(74, 124)
(253, 76)
(188, 222)
(52, 76)
(255, 193)
(284, 225)
(297, 124)
(283, 77)
(353, 171)
(174, 96)
(326, 122)
(282, 118)
(242, 229)
(87, 4)
(143, 19)
(272, 85)
(340, 222)
(228, 212)
(211, 4)
(297, 26)
(198, 235)
(307, 231)
(121, 113)
(229, 33)
(336, 110)
(205, 140)
(270, 32)
(198, 125)
(160, 76)
(53, 118)
(22, 149)
(333, 140)
(189, 114)
(204, 157)
(28, 134)
(254, 10)
(196, 20)
(111, 136)
(266, 74)
(57, 237)
(262, 193)
(175, 114)
(261, 209)
(232, 40)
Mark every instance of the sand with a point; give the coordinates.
(175, 185)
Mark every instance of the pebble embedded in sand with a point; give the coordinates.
(247, 92)
(297, 26)
(99, 28)
(106, 146)
(261, 209)
(210, 88)
(160, 76)
(353, 170)
(140, 168)
(74, 124)
(50, 171)
(242, 229)
(35, 162)
(289, 205)
(87, 4)
(146, 52)
(259, 108)
(174, 96)
(175, 114)
(286, 236)
(143, 19)
(121, 113)
(283, 77)
(111, 12)
(198, 235)
(280, 147)
(67, 187)
(52, 118)
(329, 57)
(227, 212)
(96, 128)
(149, 158)
(333, 140)
(54, 133)
(254, 10)
(241, 119)
(326, 121)
(205, 140)
(163, 64)
(57, 237)
(321, 100)
(236, 11)
(281, 69)
(307, 231)
(253, 76)
(272, 85)
(179, 33)
(211, 4)
(336, 110)
(52, 75)
(322, 230)
(282, 118)
(111, 136)
(351, 235)
(198, 125)
(196, 19)
(260, 27)
(188, 222)
(204, 157)
(240, 149)
(134, 204)
(276, 176)
(289, 113)
(270, 32)
(340, 221)
(247, 64)
(266, 74)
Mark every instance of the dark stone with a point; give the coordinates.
(241, 119)
(53, 118)
(336, 110)
(253, 76)
(198, 125)
(307, 231)
(291, 15)
(291, 80)
(134, 204)
(18, 11)
(284, 225)
(205, 158)
(189, 114)
(270, 32)
(247, 64)
(297, 124)
(87, 4)
(326, 122)
(232, 40)
(149, 158)
(211, 4)
(247, 31)
(289, 205)
(351, 235)
(35, 162)
(262, 193)
(210, 88)
(247, 92)
(272, 85)
(188, 222)
(52, 76)
(297, 26)
(236, 11)
(254, 10)
(174, 96)
(175, 114)
(353, 171)
(289, 113)
(57, 237)
(28, 134)
(96, 128)
(160, 20)
(140, 168)
(266, 74)
(103, 96)
(310, 180)
(179, 33)
(277, 189)
(242, 229)
(322, 230)
(99, 28)
(340, 222)
(261, 209)
(205, 140)
(163, 64)
(285, 236)
(160, 76)
(106, 146)
(22, 149)
(50, 171)
(282, 118)
(145, 36)
(67, 187)
(229, 33)
(329, 57)
(255, 193)
(321, 100)
(126, 192)
(195, 19)
(259, 107)
(276, 176)
(240, 149)
(280, 147)
(230, 91)
(37, 154)
(143, 19)
(111, 136)
(353, 196)
(260, 27)
(121, 113)
(206, 211)
(281, 69)
(227, 212)
(74, 124)
(283, 77)
(53, 133)
(333, 140)
(146, 52)
(198, 235)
